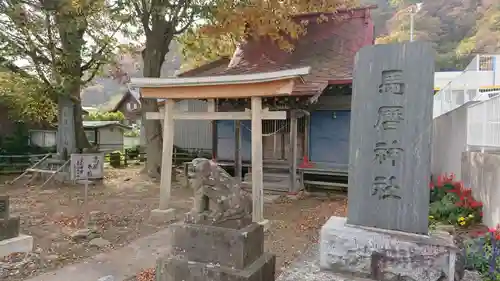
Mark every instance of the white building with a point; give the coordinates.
(456, 88)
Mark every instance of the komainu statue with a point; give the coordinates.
(218, 198)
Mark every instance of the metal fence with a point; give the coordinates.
(11, 164)
(483, 124)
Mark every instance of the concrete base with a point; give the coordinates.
(19, 244)
(385, 255)
(175, 269)
(211, 253)
(306, 267)
(162, 216)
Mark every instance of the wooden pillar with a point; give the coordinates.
(293, 151)
(237, 150)
(306, 137)
(257, 171)
(167, 154)
(212, 108)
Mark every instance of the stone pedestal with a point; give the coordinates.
(9, 227)
(208, 253)
(10, 239)
(379, 254)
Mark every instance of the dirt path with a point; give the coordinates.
(121, 207)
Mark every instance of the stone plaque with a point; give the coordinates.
(87, 166)
(4, 207)
(66, 143)
(390, 137)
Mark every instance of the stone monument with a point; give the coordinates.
(218, 240)
(385, 236)
(10, 239)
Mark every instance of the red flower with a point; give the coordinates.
(479, 233)
(491, 230)
(481, 214)
(440, 180)
(431, 185)
(475, 204)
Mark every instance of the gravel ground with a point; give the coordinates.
(120, 209)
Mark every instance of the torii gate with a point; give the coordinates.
(253, 86)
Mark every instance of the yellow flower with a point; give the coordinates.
(431, 217)
(461, 219)
(471, 216)
(462, 223)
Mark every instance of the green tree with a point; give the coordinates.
(25, 98)
(105, 116)
(62, 44)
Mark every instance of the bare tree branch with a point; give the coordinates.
(93, 73)
(12, 67)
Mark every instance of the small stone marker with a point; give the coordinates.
(4, 207)
(218, 244)
(9, 225)
(391, 125)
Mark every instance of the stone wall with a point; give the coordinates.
(481, 172)
(449, 140)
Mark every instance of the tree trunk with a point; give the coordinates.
(71, 28)
(153, 56)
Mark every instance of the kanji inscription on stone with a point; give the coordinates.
(390, 137)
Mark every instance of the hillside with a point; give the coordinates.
(106, 91)
(458, 28)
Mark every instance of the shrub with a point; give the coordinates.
(132, 153)
(452, 203)
(483, 254)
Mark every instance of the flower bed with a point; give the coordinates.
(483, 254)
(453, 204)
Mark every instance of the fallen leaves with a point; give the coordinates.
(146, 275)
(315, 218)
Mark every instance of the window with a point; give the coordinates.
(91, 136)
(131, 106)
(42, 138)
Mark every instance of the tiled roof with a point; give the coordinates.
(207, 69)
(327, 47)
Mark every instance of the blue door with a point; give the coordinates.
(329, 137)
(225, 140)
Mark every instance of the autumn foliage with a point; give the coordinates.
(233, 21)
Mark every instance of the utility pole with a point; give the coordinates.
(414, 10)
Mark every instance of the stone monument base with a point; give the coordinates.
(379, 254)
(162, 215)
(209, 253)
(19, 244)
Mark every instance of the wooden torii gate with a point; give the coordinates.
(253, 86)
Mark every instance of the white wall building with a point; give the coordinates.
(457, 88)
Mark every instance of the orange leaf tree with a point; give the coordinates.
(231, 21)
